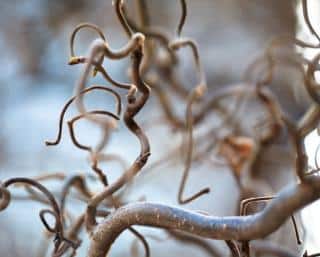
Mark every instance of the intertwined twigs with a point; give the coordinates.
(153, 68)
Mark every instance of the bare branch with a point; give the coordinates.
(251, 227)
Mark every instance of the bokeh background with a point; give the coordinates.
(35, 81)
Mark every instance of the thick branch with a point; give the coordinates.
(250, 227)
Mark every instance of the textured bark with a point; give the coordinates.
(240, 228)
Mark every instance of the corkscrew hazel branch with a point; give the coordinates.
(142, 240)
(195, 95)
(310, 82)
(143, 12)
(153, 33)
(119, 5)
(133, 107)
(309, 120)
(79, 183)
(77, 29)
(243, 211)
(307, 20)
(72, 38)
(183, 16)
(71, 100)
(5, 197)
(94, 166)
(58, 229)
(98, 48)
(187, 42)
(144, 21)
(232, 228)
(98, 67)
(250, 227)
(82, 116)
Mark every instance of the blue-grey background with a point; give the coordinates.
(35, 81)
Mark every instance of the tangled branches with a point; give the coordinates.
(154, 64)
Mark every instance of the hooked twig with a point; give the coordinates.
(81, 116)
(72, 38)
(70, 101)
(189, 117)
(195, 95)
(243, 211)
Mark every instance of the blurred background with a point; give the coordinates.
(35, 82)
